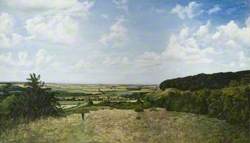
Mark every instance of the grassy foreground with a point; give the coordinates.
(127, 126)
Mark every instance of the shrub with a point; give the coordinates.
(37, 101)
(138, 117)
(139, 109)
(90, 102)
(230, 104)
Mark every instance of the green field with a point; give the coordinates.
(74, 95)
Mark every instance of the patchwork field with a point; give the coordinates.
(100, 88)
(75, 95)
(127, 126)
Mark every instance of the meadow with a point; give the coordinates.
(127, 126)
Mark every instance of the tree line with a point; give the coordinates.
(208, 81)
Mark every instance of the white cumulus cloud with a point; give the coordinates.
(8, 38)
(117, 34)
(57, 29)
(42, 4)
(59, 22)
(24, 61)
(190, 11)
(229, 43)
(6, 23)
(223, 47)
(187, 49)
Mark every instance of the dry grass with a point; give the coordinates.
(126, 126)
(50, 130)
(123, 126)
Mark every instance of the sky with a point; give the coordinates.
(122, 41)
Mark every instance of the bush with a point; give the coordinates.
(139, 109)
(230, 104)
(6, 104)
(37, 101)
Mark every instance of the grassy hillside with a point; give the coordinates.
(215, 115)
(208, 81)
(127, 126)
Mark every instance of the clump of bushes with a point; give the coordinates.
(139, 109)
(90, 102)
(35, 102)
(231, 104)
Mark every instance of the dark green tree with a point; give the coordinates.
(36, 101)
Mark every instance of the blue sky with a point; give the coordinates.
(122, 41)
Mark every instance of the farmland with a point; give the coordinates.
(72, 95)
(113, 113)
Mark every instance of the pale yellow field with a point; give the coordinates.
(126, 126)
